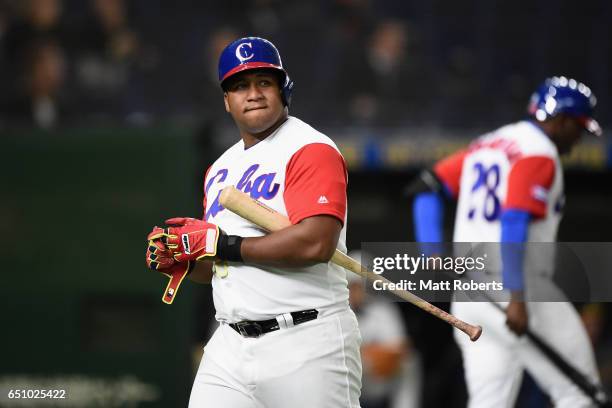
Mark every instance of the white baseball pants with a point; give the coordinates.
(313, 364)
(494, 364)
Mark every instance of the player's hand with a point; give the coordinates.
(188, 239)
(516, 317)
(158, 257)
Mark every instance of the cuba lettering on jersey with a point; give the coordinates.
(298, 172)
(514, 167)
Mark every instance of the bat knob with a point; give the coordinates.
(475, 332)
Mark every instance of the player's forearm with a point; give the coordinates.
(309, 242)
(202, 272)
(514, 226)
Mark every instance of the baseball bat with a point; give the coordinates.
(593, 391)
(267, 218)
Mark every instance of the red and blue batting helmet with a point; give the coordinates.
(562, 95)
(254, 53)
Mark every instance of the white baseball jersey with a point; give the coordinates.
(298, 172)
(514, 167)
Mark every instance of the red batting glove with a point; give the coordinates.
(159, 258)
(176, 273)
(189, 239)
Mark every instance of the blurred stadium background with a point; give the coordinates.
(110, 112)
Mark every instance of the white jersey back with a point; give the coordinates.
(485, 178)
(257, 292)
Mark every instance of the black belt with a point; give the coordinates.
(255, 329)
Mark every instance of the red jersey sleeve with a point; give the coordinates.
(529, 185)
(448, 170)
(315, 183)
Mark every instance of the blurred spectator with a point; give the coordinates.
(4, 26)
(391, 367)
(4, 23)
(38, 99)
(460, 90)
(350, 19)
(37, 20)
(388, 79)
(104, 48)
(106, 31)
(206, 90)
(264, 16)
(378, 64)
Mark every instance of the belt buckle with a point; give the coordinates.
(249, 329)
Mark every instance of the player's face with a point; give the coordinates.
(253, 99)
(569, 132)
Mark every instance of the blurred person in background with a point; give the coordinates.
(39, 99)
(5, 21)
(206, 76)
(459, 82)
(392, 373)
(36, 20)
(382, 73)
(105, 48)
(23, 25)
(4, 26)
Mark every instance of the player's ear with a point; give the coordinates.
(227, 109)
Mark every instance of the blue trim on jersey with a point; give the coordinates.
(514, 228)
(428, 215)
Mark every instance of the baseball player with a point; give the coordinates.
(287, 336)
(509, 188)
